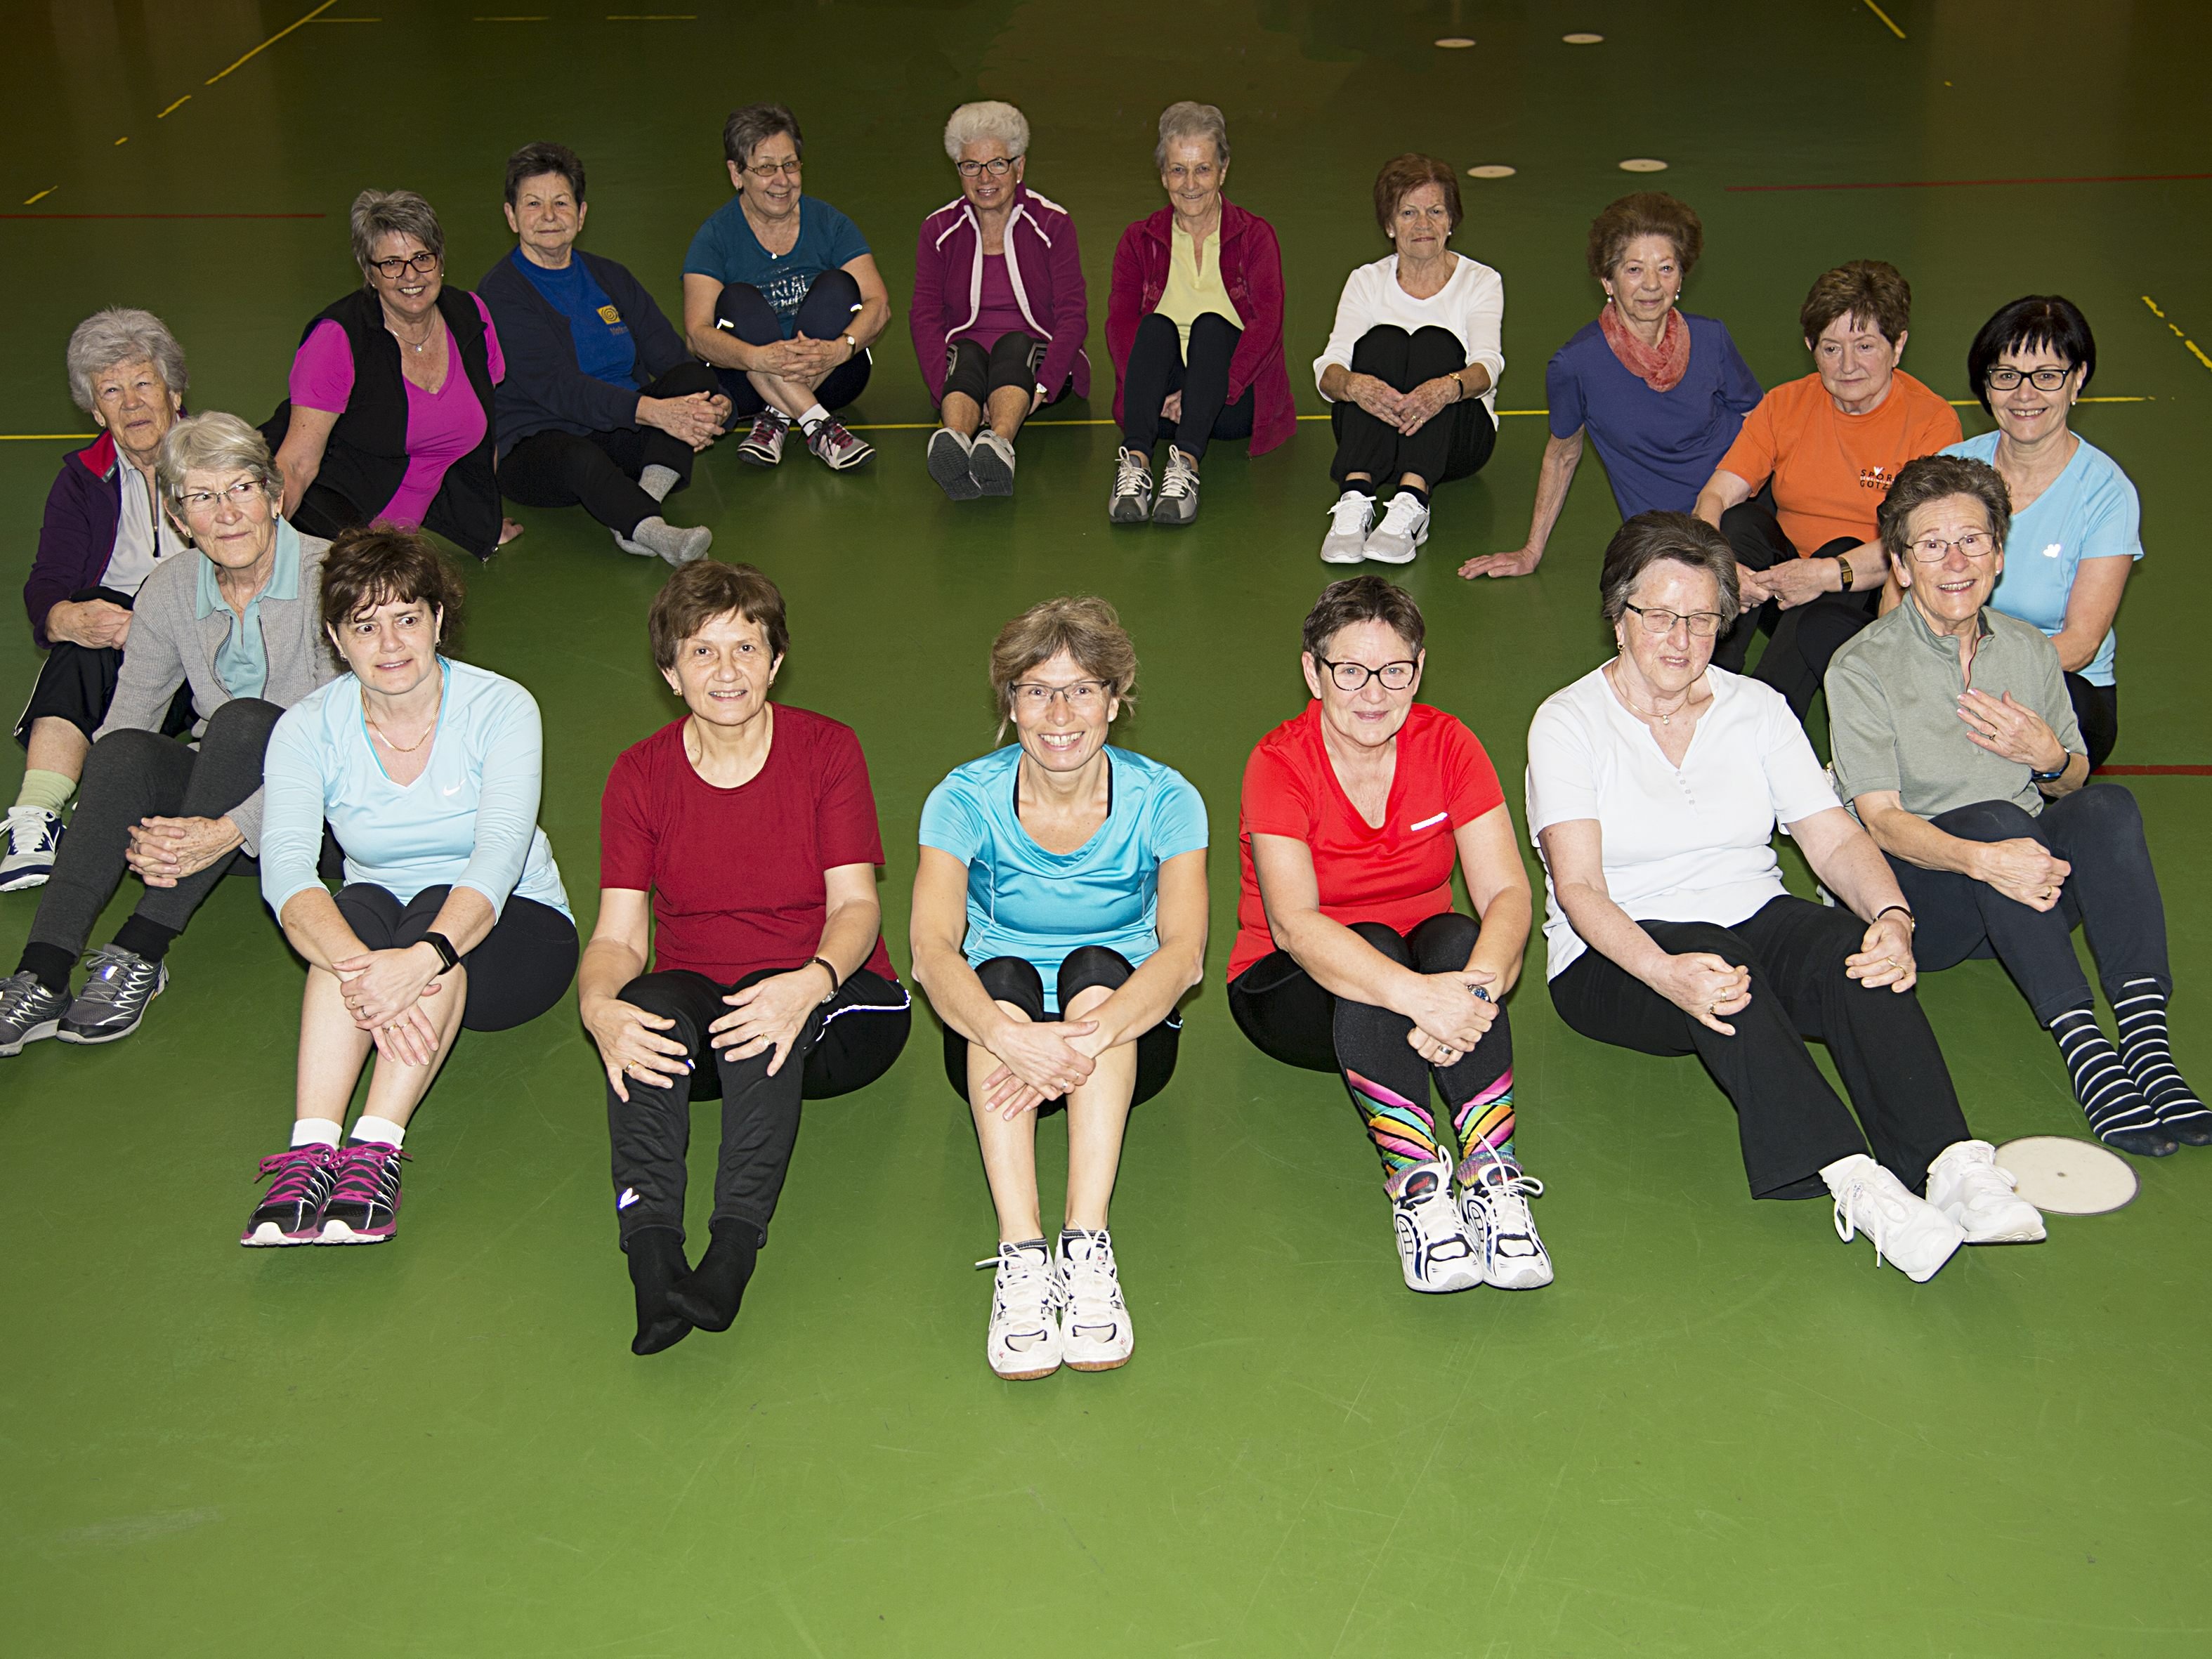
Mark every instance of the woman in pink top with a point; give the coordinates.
(390, 416)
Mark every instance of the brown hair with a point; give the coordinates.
(1402, 175)
(381, 564)
(1935, 478)
(1648, 538)
(1088, 630)
(1647, 213)
(705, 589)
(1359, 600)
(1866, 291)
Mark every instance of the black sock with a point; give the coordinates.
(50, 964)
(2108, 1095)
(656, 1262)
(1419, 494)
(1360, 487)
(142, 938)
(2146, 1050)
(710, 1296)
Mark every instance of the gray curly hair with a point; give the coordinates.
(1190, 120)
(971, 124)
(122, 335)
(379, 213)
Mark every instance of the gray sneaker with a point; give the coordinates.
(28, 1012)
(114, 998)
(948, 465)
(1132, 500)
(990, 463)
(1178, 498)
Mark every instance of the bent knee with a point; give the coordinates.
(1992, 820)
(1387, 939)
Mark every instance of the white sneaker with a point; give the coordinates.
(1965, 1183)
(1504, 1232)
(1433, 1247)
(1916, 1236)
(1349, 522)
(1131, 502)
(1405, 526)
(1024, 1339)
(31, 839)
(1095, 1332)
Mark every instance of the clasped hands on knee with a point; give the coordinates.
(697, 419)
(164, 851)
(2023, 870)
(1038, 1060)
(1451, 1012)
(1408, 411)
(384, 992)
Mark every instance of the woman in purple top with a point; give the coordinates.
(390, 416)
(998, 312)
(1661, 392)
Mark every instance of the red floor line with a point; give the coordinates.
(1963, 184)
(164, 215)
(2155, 771)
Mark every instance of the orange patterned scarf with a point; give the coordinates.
(1661, 367)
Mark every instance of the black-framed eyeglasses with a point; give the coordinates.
(1081, 696)
(998, 166)
(766, 171)
(1973, 545)
(1354, 676)
(391, 270)
(2046, 379)
(1702, 624)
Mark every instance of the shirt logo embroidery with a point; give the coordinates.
(610, 316)
(1876, 478)
(2054, 550)
(1427, 823)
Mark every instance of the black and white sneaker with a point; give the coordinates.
(114, 998)
(27, 845)
(948, 465)
(28, 1011)
(1095, 1331)
(763, 445)
(1496, 1209)
(1131, 499)
(1433, 1246)
(1023, 1341)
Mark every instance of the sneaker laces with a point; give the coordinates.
(27, 829)
(1507, 1200)
(1180, 479)
(1403, 516)
(1092, 1274)
(1352, 515)
(117, 975)
(367, 1170)
(1132, 476)
(1024, 1282)
(20, 994)
(1885, 1211)
(298, 1172)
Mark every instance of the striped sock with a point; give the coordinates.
(2109, 1096)
(2146, 1050)
(1403, 1133)
(1484, 1125)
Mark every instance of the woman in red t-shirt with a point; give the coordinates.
(1349, 956)
(737, 853)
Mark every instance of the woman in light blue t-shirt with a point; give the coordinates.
(2075, 520)
(1059, 915)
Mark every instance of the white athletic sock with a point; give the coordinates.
(811, 416)
(382, 1131)
(316, 1131)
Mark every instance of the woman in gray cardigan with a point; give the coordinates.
(238, 626)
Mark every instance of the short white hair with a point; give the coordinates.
(972, 123)
(122, 335)
(1190, 120)
(214, 442)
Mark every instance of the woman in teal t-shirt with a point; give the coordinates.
(1058, 915)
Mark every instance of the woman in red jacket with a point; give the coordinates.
(1195, 322)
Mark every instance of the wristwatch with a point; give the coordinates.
(852, 343)
(2052, 777)
(448, 957)
(1843, 568)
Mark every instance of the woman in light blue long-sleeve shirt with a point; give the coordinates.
(427, 771)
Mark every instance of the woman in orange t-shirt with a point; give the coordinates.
(1824, 450)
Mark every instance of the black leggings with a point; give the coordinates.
(1010, 979)
(77, 682)
(1289, 1018)
(1156, 370)
(826, 313)
(1805, 636)
(847, 1044)
(1011, 363)
(1454, 443)
(600, 470)
(2113, 892)
(517, 971)
(2097, 711)
(1789, 1120)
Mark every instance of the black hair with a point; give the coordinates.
(2050, 320)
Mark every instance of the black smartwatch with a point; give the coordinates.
(448, 957)
(2052, 777)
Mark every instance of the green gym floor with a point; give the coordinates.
(1721, 1432)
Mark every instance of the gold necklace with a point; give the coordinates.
(376, 732)
(1643, 714)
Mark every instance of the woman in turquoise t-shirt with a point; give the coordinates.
(1058, 915)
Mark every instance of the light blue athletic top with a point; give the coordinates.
(1025, 901)
(471, 820)
(2089, 512)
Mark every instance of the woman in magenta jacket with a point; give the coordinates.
(1195, 324)
(1000, 310)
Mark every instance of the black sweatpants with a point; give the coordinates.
(516, 972)
(1009, 363)
(2097, 711)
(600, 470)
(847, 1044)
(1454, 443)
(128, 777)
(1789, 1120)
(1010, 979)
(826, 313)
(2112, 892)
(76, 683)
(1805, 637)
(1157, 369)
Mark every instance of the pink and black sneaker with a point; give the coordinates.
(292, 1211)
(363, 1207)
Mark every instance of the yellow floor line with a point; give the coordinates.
(272, 40)
(1886, 18)
(174, 107)
(2194, 350)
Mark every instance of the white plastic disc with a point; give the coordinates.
(1582, 40)
(1491, 170)
(1456, 43)
(1643, 164)
(2064, 1176)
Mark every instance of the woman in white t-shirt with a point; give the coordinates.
(1655, 785)
(1411, 368)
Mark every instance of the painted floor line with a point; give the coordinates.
(2155, 771)
(2194, 349)
(272, 40)
(1969, 184)
(1886, 18)
(41, 197)
(155, 216)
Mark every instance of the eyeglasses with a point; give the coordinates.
(422, 264)
(1702, 624)
(1081, 696)
(1354, 676)
(2046, 379)
(1972, 545)
(766, 170)
(998, 167)
(239, 495)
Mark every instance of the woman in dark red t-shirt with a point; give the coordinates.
(740, 847)
(1349, 956)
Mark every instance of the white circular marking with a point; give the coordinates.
(1455, 42)
(1582, 40)
(2064, 1175)
(1643, 164)
(1491, 170)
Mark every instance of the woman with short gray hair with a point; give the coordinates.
(103, 534)
(390, 416)
(1000, 310)
(1655, 785)
(1194, 324)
